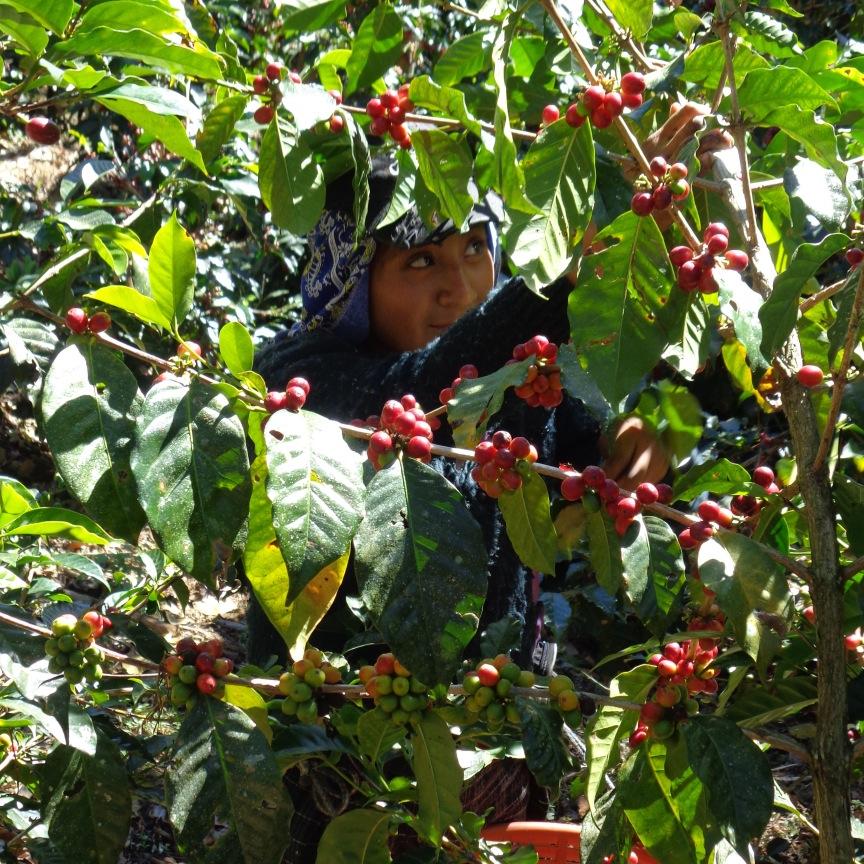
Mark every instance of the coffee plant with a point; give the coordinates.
(202, 137)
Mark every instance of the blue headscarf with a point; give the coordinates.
(335, 282)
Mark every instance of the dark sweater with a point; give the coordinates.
(349, 381)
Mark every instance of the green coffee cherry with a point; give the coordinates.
(63, 625)
(67, 643)
(52, 649)
(187, 675)
(180, 693)
(73, 676)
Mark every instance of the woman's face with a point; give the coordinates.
(416, 294)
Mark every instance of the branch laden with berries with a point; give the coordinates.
(741, 601)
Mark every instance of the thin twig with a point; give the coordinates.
(840, 375)
(779, 742)
(718, 93)
(855, 567)
(738, 134)
(823, 294)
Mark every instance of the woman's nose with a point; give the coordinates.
(457, 289)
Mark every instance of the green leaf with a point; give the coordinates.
(307, 16)
(377, 734)
(746, 580)
(308, 104)
(377, 46)
(45, 721)
(604, 551)
(478, 400)
(90, 402)
(760, 704)
(664, 575)
(529, 522)
(195, 61)
(545, 753)
(660, 814)
(464, 58)
(559, 178)
(439, 777)
(23, 30)
(764, 90)
(171, 269)
(815, 134)
(741, 305)
(446, 167)
(56, 522)
(15, 499)
(315, 484)
(508, 179)
(252, 703)
(224, 772)
(219, 126)
(706, 63)
(192, 470)
(443, 101)
(53, 14)
(624, 297)
(89, 810)
(720, 477)
(291, 183)
(779, 313)
(579, 384)
(421, 568)
(124, 14)
(814, 191)
(610, 725)
(735, 774)
(236, 348)
(633, 16)
(357, 837)
(849, 498)
(767, 34)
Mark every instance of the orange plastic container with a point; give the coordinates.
(555, 842)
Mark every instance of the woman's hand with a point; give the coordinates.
(635, 455)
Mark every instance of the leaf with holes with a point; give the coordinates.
(421, 568)
(90, 403)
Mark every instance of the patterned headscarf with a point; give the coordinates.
(335, 282)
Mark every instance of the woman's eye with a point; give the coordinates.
(421, 261)
(475, 247)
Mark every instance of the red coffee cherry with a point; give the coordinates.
(573, 116)
(593, 97)
(260, 84)
(206, 683)
(295, 398)
(717, 244)
(99, 322)
(763, 475)
(664, 490)
(297, 381)
(633, 82)
(810, 376)
(419, 447)
(379, 126)
(572, 487)
(275, 401)
(337, 124)
(76, 319)
(710, 511)
(594, 477)
(854, 256)
(715, 228)
(661, 197)
(679, 255)
(631, 100)
(264, 114)
(42, 130)
(274, 71)
(550, 114)
(613, 103)
(601, 118)
(658, 166)
(642, 203)
(190, 349)
(375, 108)
(647, 493)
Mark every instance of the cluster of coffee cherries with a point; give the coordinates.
(710, 513)
(488, 691)
(78, 321)
(746, 506)
(467, 373)
(668, 183)
(497, 458)
(196, 667)
(268, 85)
(603, 102)
(293, 397)
(683, 669)
(542, 385)
(300, 685)
(697, 270)
(563, 696)
(72, 647)
(402, 425)
(388, 115)
(395, 690)
(593, 488)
